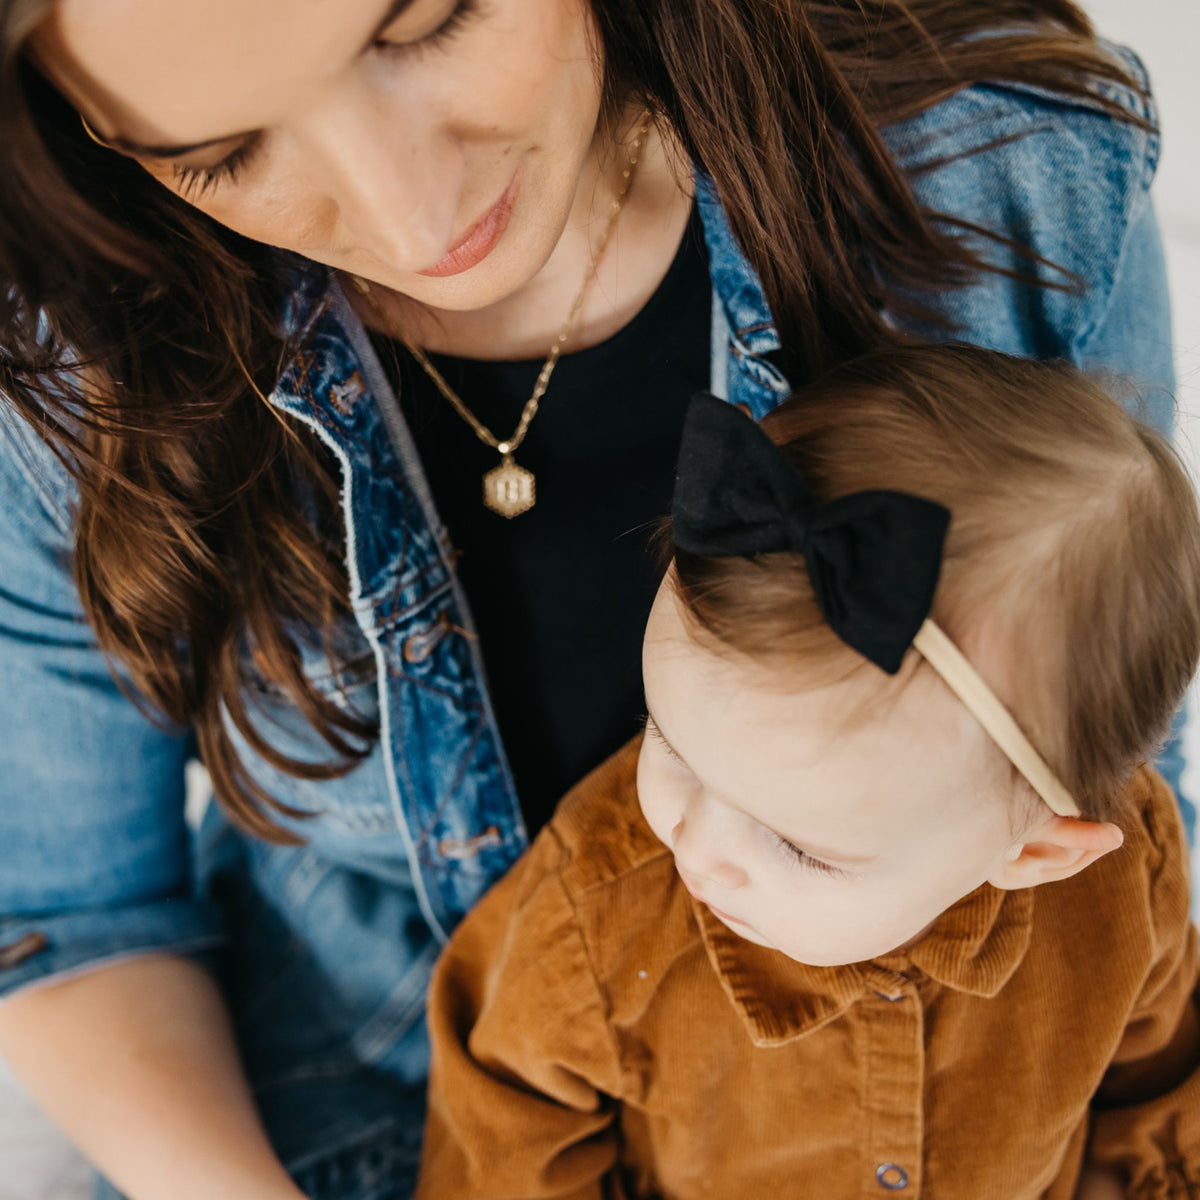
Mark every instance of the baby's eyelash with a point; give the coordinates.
(653, 730)
(793, 852)
(805, 859)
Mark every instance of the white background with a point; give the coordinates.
(1166, 33)
(35, 1165)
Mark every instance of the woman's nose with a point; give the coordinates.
(700, 854)
(395, 190)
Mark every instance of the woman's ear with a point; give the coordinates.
(1056, 848)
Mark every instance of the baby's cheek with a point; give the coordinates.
(828, 928)
(657, 797)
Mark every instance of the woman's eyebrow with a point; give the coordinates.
(143, 150)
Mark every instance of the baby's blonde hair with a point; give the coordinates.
(1072, 563)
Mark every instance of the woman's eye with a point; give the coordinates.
(194, 182)
(806, 860)
(459, 16)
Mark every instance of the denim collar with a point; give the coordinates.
(735, 283)
(742, 317)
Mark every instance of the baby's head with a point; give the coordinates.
(833, 811)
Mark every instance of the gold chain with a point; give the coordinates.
(530, 410)
(509, 489)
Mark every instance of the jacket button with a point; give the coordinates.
(15, 953)
(461, 848)
(892, 1177)
(420, 645)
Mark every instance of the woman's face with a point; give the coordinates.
(435, 147)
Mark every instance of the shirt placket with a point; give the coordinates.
(892, 1020)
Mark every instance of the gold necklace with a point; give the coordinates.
(510, 489)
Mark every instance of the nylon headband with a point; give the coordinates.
(983, 704)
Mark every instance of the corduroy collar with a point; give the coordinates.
(975, 946)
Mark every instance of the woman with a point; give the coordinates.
(228, 233)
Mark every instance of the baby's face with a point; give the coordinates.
(809, 823)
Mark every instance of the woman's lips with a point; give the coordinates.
(480, 240)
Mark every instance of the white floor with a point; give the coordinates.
(35, 1164)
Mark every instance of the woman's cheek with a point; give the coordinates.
(279, 207)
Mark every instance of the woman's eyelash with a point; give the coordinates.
(805, 859)
(459, 16)
(194, 182)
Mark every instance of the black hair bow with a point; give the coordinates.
(873, 557)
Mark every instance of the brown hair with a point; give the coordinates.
(138, 336)
(1072, 565)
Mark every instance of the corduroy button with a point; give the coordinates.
(886, 996)
(892, 1177)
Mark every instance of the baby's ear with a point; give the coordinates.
(1056, 848)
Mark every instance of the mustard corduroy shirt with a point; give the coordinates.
(598, 1033)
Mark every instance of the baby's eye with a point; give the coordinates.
(806, 860)
(653, 731)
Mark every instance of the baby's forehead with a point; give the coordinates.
(875, 778)
(867, 751)
(819, 702)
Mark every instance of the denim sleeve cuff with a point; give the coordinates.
(55, 947)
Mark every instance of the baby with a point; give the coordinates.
(886, 899)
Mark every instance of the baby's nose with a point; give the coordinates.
(698, 864)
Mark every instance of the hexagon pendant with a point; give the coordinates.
(509, 489)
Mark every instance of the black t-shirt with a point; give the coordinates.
(560, 594)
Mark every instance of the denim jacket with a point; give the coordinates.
(324, 949)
